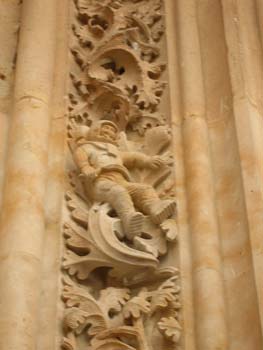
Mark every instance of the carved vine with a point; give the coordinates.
(119, 291)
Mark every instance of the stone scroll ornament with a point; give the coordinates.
(119, 291)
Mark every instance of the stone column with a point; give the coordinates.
(9, 26)
(180, 185)
(209, 303)
(23, 220)
(50, 318)
(243, 24)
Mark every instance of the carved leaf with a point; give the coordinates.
(76, 319)
(166, 294)
(169, 228)
(137, 306)
(151, 276)
(82, 310)
(75, 295)
(156, 246)
(99, 247)
(170, 328)
(82, 266)
(113, 299)
(77, 206)
(152, 241)
(77, 238)
(68, 344)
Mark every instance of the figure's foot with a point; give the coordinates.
(133, 225)
(162, 210)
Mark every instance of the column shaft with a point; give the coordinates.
(242, 30)
(50, 319)
(9, 25)
(210, 313)
(23, 219)
(184, 245)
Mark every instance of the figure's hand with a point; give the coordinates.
(156, 162)
(90, 176)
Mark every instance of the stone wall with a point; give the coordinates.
(183, 82)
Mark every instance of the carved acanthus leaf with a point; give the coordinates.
(82, 310)
(85, 252)
(167, 295)
(137, 306)
(84, 313)
(151, 241)
(112, 299)
(171, 328)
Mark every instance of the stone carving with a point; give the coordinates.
(117, 75)
(104, 169)
(118, 318)
(119, 290)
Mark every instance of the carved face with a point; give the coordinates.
(105, 131)
(109, 132)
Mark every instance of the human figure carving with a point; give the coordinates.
(105, 171)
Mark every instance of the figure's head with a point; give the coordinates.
(105, 131)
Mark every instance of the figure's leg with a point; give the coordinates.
(146, 199)
(118, 197)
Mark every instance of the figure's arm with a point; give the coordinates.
(81, 159)
(141, 161)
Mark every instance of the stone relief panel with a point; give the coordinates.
(121, 285)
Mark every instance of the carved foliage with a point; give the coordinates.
(118, 291)
(121, 318)
(116, 51)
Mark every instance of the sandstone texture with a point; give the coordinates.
(131, 174)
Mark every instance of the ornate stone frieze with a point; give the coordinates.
(120, 289)
(122, 318)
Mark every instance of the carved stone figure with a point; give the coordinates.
(105, 173)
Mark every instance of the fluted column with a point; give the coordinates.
(243, 30)
(50, 318)
(23, 219)
(184, 246)
(9, 26)
(209, 304)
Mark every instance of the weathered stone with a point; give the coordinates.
(131, 174)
